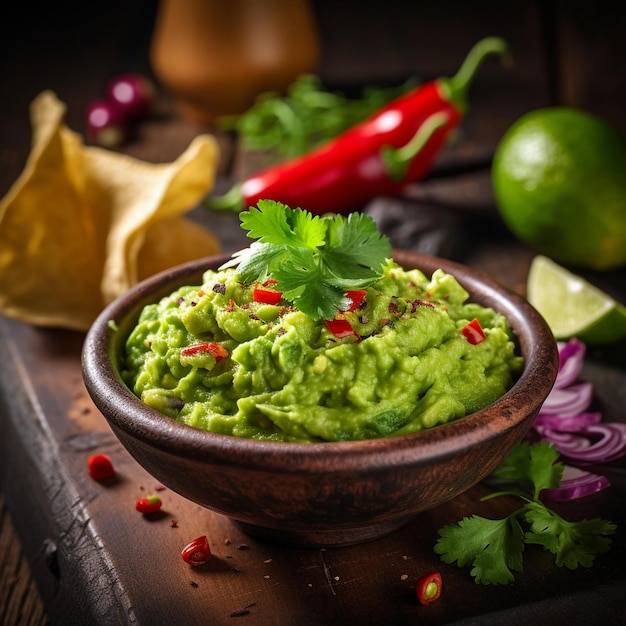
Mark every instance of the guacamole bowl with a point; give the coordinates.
(319, 494)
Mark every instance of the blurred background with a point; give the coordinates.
(565, 52)
(569, 53)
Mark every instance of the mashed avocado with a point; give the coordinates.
(214, 358)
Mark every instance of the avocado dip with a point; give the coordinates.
(220, 358)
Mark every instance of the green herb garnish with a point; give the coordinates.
(494, 548)
(314, 259)
(307, 116)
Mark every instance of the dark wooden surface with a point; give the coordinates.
(95, 560)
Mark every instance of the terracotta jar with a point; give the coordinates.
(216, 56)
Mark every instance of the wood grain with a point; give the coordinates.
(20, 603)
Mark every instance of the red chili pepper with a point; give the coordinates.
(341, 328)
(266, 295)
(148, 504)
(380, 156)
(356, 298)
(100, 467)
(473, 332)
(198, 552)
(428, 588)
(214, 349)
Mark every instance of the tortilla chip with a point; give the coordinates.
(82, 224)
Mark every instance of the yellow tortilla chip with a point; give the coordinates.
(82, 224)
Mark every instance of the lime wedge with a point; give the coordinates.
(572, 306)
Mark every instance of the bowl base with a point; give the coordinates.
(320, 537)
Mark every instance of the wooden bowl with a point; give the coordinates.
(320, 494)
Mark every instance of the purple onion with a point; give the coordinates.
(580, 436)
(107, 126)
(576, 483)
(134, 94)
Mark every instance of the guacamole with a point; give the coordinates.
(215, 357)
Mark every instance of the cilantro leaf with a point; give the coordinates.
(492, 547)
(307, 115)
(275, 223)
(314, 259)
(532, 464)
(354, 246)
(257, 261)
(301, 282)
(573, 543)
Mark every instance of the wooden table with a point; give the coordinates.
(95, 559)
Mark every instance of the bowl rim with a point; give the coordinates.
(126, 412)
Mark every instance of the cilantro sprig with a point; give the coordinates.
(494, 548)
(314, 259)
(307, 115)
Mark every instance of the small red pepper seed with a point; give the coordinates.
(197, 552)
(100, 467)
(428, 588)
(148, 504)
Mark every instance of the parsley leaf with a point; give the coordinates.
(494, 548)
(314, 259)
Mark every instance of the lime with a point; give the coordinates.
(572, 306)
(559, 184)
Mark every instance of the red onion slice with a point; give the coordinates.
(568, 423)
(571, 401)
(576, 483)
(598, 443)
(571, 358)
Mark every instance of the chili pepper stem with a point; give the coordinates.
(457, 86)
(397, 160)
(232, 200)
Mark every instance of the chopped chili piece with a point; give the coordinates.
(198, 552)
(341, 328)
(214, 349)
(428, 588)
(148, 504)
(357, 298)
(264, 294)
(473, 332)
(100, 467)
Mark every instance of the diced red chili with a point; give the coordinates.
(341, 328)
(100, 467)
(428, 588)
(473, 332)
(264, 294)
(214, 349)
(198, 552)
(148, 504)
(356, 297)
